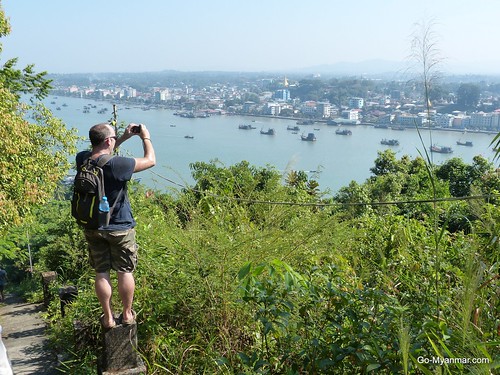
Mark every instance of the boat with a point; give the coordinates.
(269, 131)
(390, 142)
(441, 149)
(246, 127)
(343, 132)
(381, 126)
(305, 122)
(333, 123)
(188, 136)
(294, 128)
(308, 137)
(400, 128)
(466, 143)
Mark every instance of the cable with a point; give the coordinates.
(284, 203)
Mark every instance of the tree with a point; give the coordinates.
(468, 95)
(33, 155)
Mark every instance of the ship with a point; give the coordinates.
(246, 127)
(305, 122)
(390, 142)
(294, 128)
(466, 143)
(343, 132)
(308, 137)
(441, 149)
(269, 131)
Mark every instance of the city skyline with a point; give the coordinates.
(223, 35)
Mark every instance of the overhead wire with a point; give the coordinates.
(330, 204)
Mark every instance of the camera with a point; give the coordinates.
(136, 129)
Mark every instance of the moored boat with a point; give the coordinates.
(343, 132)
(390, 142)
(269, 131)
(305, 122)
(441, 149)
(308, 137)
(246, 127)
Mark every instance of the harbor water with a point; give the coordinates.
(333, 160)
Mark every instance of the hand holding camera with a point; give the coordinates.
(139, 129)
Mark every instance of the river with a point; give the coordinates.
(334, 160)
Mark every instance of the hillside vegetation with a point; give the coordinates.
(246, 273)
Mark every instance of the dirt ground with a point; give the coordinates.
(24, 337)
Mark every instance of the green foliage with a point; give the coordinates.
(242, 286)
(468, 95)
(33, 156)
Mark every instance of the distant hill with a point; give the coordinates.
(367, 67)
(391, 69)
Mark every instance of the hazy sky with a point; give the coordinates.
(76, 36)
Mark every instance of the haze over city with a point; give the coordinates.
(91, 36)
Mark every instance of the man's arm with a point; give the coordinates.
(149, 158)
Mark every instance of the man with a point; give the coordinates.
(114, 246)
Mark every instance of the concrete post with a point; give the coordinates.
(47, 278)
(67, 295)
(119, 353)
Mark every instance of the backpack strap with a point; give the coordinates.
(104, 159)
(100, 163)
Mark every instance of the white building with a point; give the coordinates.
(356, 103)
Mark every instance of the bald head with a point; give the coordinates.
(98, 133)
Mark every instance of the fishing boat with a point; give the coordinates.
(441, 149)
(308, 137)
(269, 131)
(343, 132)
(466, 143)
(189, 136)
(305, 122)
(246, 127)
(294, 128)
(390, 142)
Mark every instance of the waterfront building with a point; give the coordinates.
(443, 120)
(273, 109)
(324, 109)
(350, 114)
(282, 95)
(481, 120)
(356, 103)
(405, 119)
(309, 108)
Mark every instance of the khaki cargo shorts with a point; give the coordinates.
(115, 250)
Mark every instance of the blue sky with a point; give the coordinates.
(81, 36)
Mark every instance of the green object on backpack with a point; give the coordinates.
(88, 190)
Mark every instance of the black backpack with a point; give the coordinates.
(88, 190)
